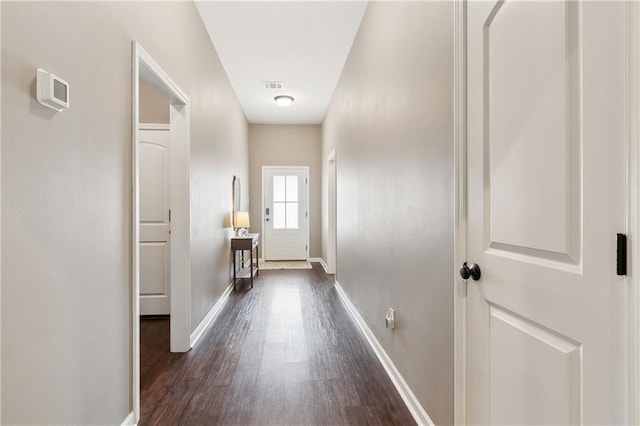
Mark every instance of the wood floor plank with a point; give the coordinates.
(283, 353)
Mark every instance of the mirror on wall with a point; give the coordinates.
(237, 196)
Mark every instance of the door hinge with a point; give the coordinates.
(306, 248)
(621, 254)
(306, 180)
(306, 214)
(169, 215)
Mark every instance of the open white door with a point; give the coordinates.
(547, 321)
(286, 221)
(155, 230)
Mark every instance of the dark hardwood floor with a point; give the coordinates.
(284, 353)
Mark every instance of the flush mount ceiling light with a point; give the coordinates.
(283, 100)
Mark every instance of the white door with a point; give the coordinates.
(154, 222)
(286, 218)
(547, 321)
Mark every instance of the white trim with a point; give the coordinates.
(262, 234)
(130, 420)
(135, 239)
(308, 177)
(0, 217)
(180, 247)
(154, 126)
(144, 66)
(332, 216)
(159, 78)
(211, 315)
(320, 261)
(460, 214)
(419, 414)
(633, 182)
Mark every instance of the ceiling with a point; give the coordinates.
(301, 43)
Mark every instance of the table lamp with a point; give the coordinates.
(241, 223)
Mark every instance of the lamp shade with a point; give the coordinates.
(242, 220)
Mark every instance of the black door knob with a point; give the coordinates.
(472, 271)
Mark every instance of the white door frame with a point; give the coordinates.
(0, 217)
(262, 218)
(332, 243)
(460, 212)
(460, 209)
(144, 66)
(633, 219)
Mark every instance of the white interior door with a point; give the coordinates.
(286, 220)
(547, 321)
(154, 222)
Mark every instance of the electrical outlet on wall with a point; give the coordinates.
(390, 319)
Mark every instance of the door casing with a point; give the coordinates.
(460, 211)
(331, 236)
(143, 65)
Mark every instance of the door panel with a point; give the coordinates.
(154, 277)
(546, 322)
(532, 122)
(154, 222)
(153, 191)
(285, 215)
(535, 374)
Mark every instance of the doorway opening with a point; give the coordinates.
(331, 214)
(285, 201)
(176, 192)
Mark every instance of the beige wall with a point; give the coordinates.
(279, 145)
(391, 123)
(66, 188)
(154, 106)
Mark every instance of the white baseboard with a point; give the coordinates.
(320, 261)
(311, 259)
(324, 266)
(418, 413)
(197, 333)
(130, 420)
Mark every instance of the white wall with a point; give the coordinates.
(66, 197)
(391, 124)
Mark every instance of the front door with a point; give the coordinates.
(154, 222)
(547, 321)
(285, 213)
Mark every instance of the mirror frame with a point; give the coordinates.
(237, 200)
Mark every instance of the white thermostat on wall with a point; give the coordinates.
(52, 91)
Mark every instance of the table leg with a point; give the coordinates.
(251, 266)
(234, 270)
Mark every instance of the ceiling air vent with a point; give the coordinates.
(273, 84)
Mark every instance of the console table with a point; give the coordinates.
(250, 242)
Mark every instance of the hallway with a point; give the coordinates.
(286, 352)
